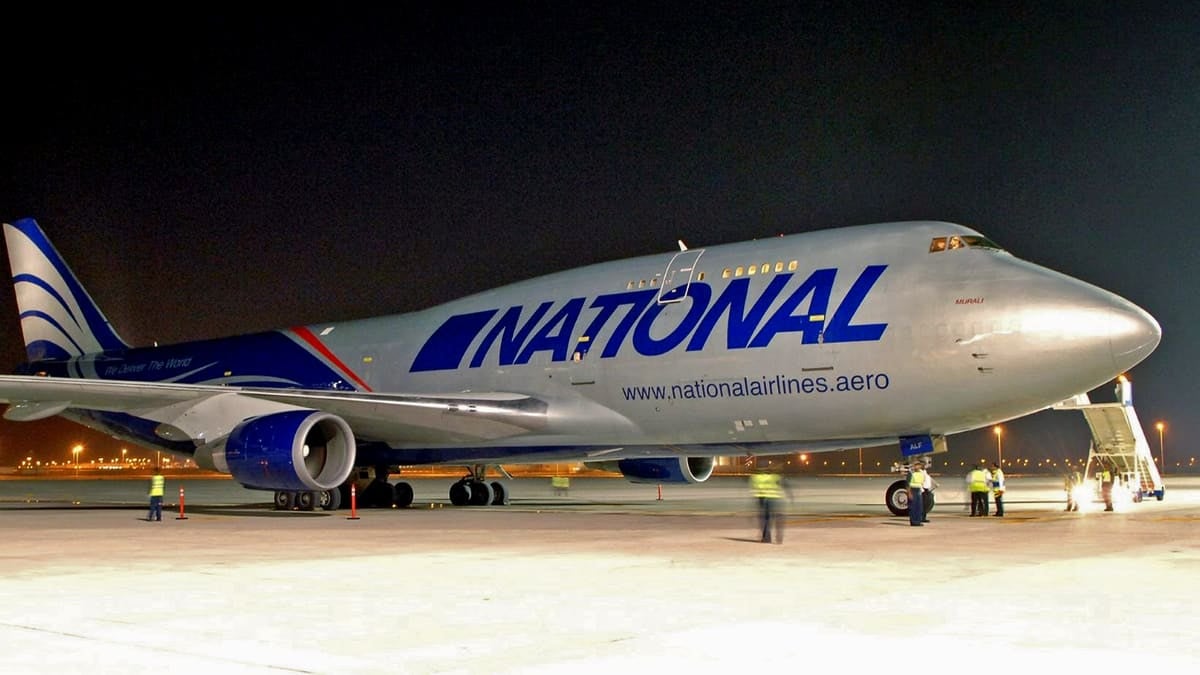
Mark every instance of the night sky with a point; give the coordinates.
(211, 176)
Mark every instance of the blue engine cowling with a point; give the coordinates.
(667, 470)
(293, 450)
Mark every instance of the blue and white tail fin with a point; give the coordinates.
(59, 320)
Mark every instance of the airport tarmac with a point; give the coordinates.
(604, 578)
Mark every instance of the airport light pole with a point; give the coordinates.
(999, 448)
(1162, 459)
(75, 451)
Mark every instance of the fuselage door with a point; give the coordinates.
(679, 275)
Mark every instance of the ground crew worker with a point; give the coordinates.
(977, 483)
(916, 503)
(927, 494)
(998, 488)
(987, 494)
(768, 489)
(1106, 487)
(560, 484)
(157, 485)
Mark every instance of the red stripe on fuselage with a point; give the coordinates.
(306, 335)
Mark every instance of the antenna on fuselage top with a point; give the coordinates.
(682, 246)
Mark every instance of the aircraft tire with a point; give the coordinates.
(283, 500)
(305, 500)
(330, 500)
(404, 495)
(481, 493)
(896, 498)
(460, 493)
(379, 494)
(499, 494)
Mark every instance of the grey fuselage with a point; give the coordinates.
(839, 338)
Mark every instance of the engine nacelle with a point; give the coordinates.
(293, 450)
(666, 470)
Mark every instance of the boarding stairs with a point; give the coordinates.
(1118, 441)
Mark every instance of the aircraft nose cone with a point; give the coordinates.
(1080, 323)
(1133, 334)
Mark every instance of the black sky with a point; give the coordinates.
(207, 175)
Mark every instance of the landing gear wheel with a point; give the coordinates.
(283, 500)
(330, 500)
(481, 493)
(460, 493)
(404, 495)
(305, 500)
(379, 494)
(499, 494)
(896, 498)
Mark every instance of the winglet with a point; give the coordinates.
(59, 319)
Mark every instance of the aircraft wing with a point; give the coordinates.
(198, 412)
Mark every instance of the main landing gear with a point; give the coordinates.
(326, 500)
(896, 496)
(374, 491)
(474, 490)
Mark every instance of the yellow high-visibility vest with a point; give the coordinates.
(916, 480)
(767, 485)
(978, 481)
(157, 483)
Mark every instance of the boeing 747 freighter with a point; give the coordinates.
(889, 334)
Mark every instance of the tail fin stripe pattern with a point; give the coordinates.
(34, 315)
(36, 281)
(58, 317)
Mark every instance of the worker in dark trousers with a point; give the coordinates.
(157, 485)
(916, 502)
(768, 488)
(998, 488)
(1106, 487)
(927, 494)
(977, 483)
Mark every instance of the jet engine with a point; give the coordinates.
(665, 470)
(292, 450)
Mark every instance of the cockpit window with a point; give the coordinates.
(975, 241)
(940, 244)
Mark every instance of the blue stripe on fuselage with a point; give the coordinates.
(262, 359)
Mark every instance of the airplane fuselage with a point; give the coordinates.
(829, 339)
